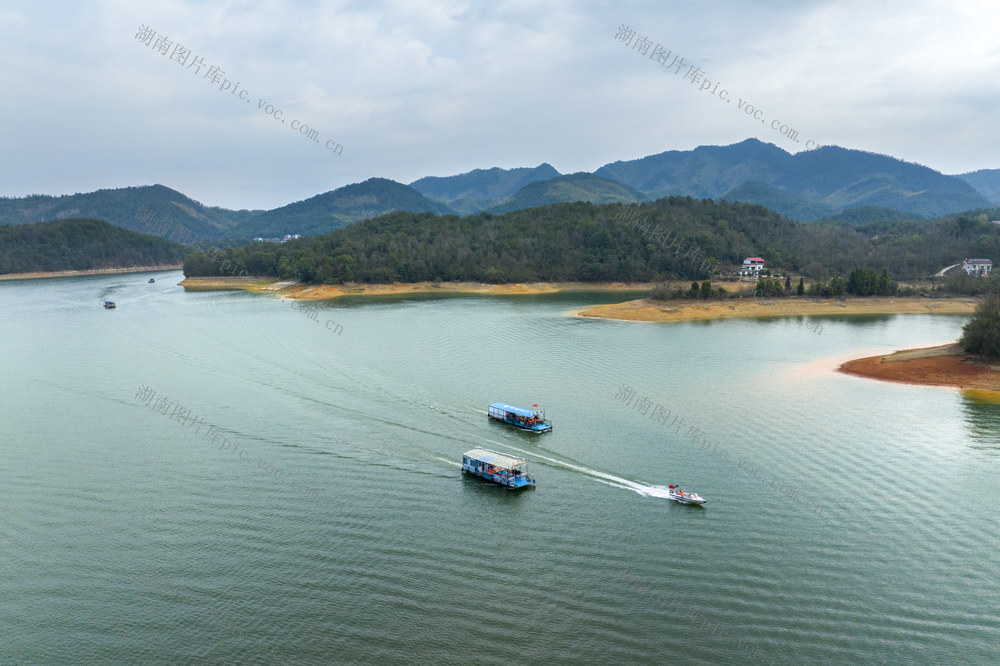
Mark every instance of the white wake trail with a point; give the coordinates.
(644, 489)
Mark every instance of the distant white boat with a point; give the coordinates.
(675, 493)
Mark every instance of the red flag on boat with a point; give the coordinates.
(535, 405)
(671, 486)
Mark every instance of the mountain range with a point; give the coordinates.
(480, 189)
(806, 186)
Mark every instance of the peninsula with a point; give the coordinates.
(946, 365)
(691, 310)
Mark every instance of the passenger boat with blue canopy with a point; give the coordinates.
(500, 468)
(532, 420)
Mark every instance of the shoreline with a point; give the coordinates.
(944, 365)
(670, 311)
(39, 275)
(296, 290)
(644, 309)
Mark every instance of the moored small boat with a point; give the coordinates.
(152, 280)
(500, 468)
(532, 420)
(109, 305)
(675, 493)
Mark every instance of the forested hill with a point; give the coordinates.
(152, 209)
(338, 208)
(679, 237)
(479, 189)
(808, 185)
(80, 244)
(573, 187)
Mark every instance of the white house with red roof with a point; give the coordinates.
(752, 266)
(978, 266)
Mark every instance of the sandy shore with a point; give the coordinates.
(294, 289)
(665, 311)
(637, 310)
(936, 366)
(95, 271)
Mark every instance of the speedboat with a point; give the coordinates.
(675, 493)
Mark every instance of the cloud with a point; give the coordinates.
(417, 88)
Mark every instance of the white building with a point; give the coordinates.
(978, 266)
(752, 266)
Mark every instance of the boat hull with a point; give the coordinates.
(518, 482)
(537, 429)
(686, 498)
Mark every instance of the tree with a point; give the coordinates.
(981, 336)
(886, 287)
(801, 289)
(693, 291)
(837, 286)
(865, 282)
(706, 289)
(768, 287)
(788, 284)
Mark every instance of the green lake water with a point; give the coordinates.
(224, 477)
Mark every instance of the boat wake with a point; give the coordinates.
(640, 488)
(644, 489)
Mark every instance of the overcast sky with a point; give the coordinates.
(415, 88)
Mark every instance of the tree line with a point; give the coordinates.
(588, 242)
(80, 244)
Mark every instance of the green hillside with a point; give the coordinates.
(479, 189)
(679, 237)
(573, 187)
(80, 244)
(986, 182)
(817, 183)
(153, 209)
(797, 208)
(325, 212)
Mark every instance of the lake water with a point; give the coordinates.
(223, 477)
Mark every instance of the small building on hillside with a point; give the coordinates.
(977, 266)
(752, 266)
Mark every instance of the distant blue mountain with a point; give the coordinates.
(337, 208)
(573, 187)
(807, 186)
(986, 182)
(480, 189)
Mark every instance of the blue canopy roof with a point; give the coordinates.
(520, 411)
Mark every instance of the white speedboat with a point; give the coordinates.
(675, 493)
